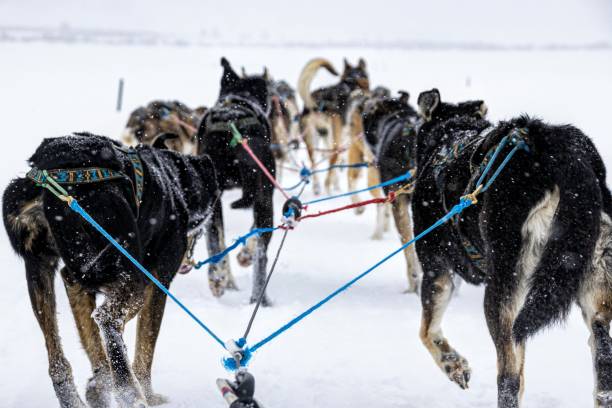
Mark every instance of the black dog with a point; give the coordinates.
(145, 198)
(540, 238)
(243, 102)
(389, 131)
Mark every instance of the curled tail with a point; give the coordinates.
(567, 255)
(307, 76)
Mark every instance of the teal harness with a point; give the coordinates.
(517, 138)
(95, 174)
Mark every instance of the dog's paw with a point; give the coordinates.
(377, 236)
(266, 302)
(98, 392)
(414, 285)
(242, 203)
(604, 399)
(155, 399)
(359, 210)
(244, 258)
(456, 368)
(316, 188)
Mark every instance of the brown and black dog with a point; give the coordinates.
(325, 109)
(155, 197)
(146, 124)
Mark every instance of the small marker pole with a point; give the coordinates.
(120, 95)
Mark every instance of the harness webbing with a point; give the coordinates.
(89, 175)
(238, 139)
(216, 258)
(457, 209)
(398, 179)
(246, 352)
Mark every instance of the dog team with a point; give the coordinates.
(539, 239)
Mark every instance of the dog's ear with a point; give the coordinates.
(404, 97)
(243, 71)
(266, 74)
(229, 75)
(428, 101)
(484, 109)
(160, 140)
(361, 64)
(347, 66)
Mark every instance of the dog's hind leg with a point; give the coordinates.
(387, 218)
(40, 273)
(435, 295)
(502, 303)
(331, 181)
(310, 139)
(264, 217)
(514, 250)
(123, 300)
(83, 303)
(219, 274)
(403, 223)
(355, 155)
(595, 300)
(501, 313)
(248, 175)
(149, 323)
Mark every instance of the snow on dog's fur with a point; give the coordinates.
(177, 199)
(388, 134)
(543, 229)
(243, 102)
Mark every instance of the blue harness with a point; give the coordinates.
(516, 138)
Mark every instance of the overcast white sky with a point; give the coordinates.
(488, 21)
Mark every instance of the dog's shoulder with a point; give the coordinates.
(75, 151)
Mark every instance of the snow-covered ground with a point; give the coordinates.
(362, 349)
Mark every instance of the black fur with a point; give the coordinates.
(559, 157)
(389, 126)
(389, 130)
(178, 196)
(240, 98)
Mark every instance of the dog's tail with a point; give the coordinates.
(307, 76)
(24, 219)
(566, 157)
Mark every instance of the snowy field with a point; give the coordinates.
(361, 350)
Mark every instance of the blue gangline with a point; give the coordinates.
(74, 205)
(216, 258)
(350, 193)
(457, 209)
(500, 146)
(464, 203)
(520, 145)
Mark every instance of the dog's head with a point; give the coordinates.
(356, 76)
(432, 109)
(252, 87)
(440, 119)
(376, 109)
(172, 141)
(135, 128)
(145, 125)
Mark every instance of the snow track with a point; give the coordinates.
(362, 349)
